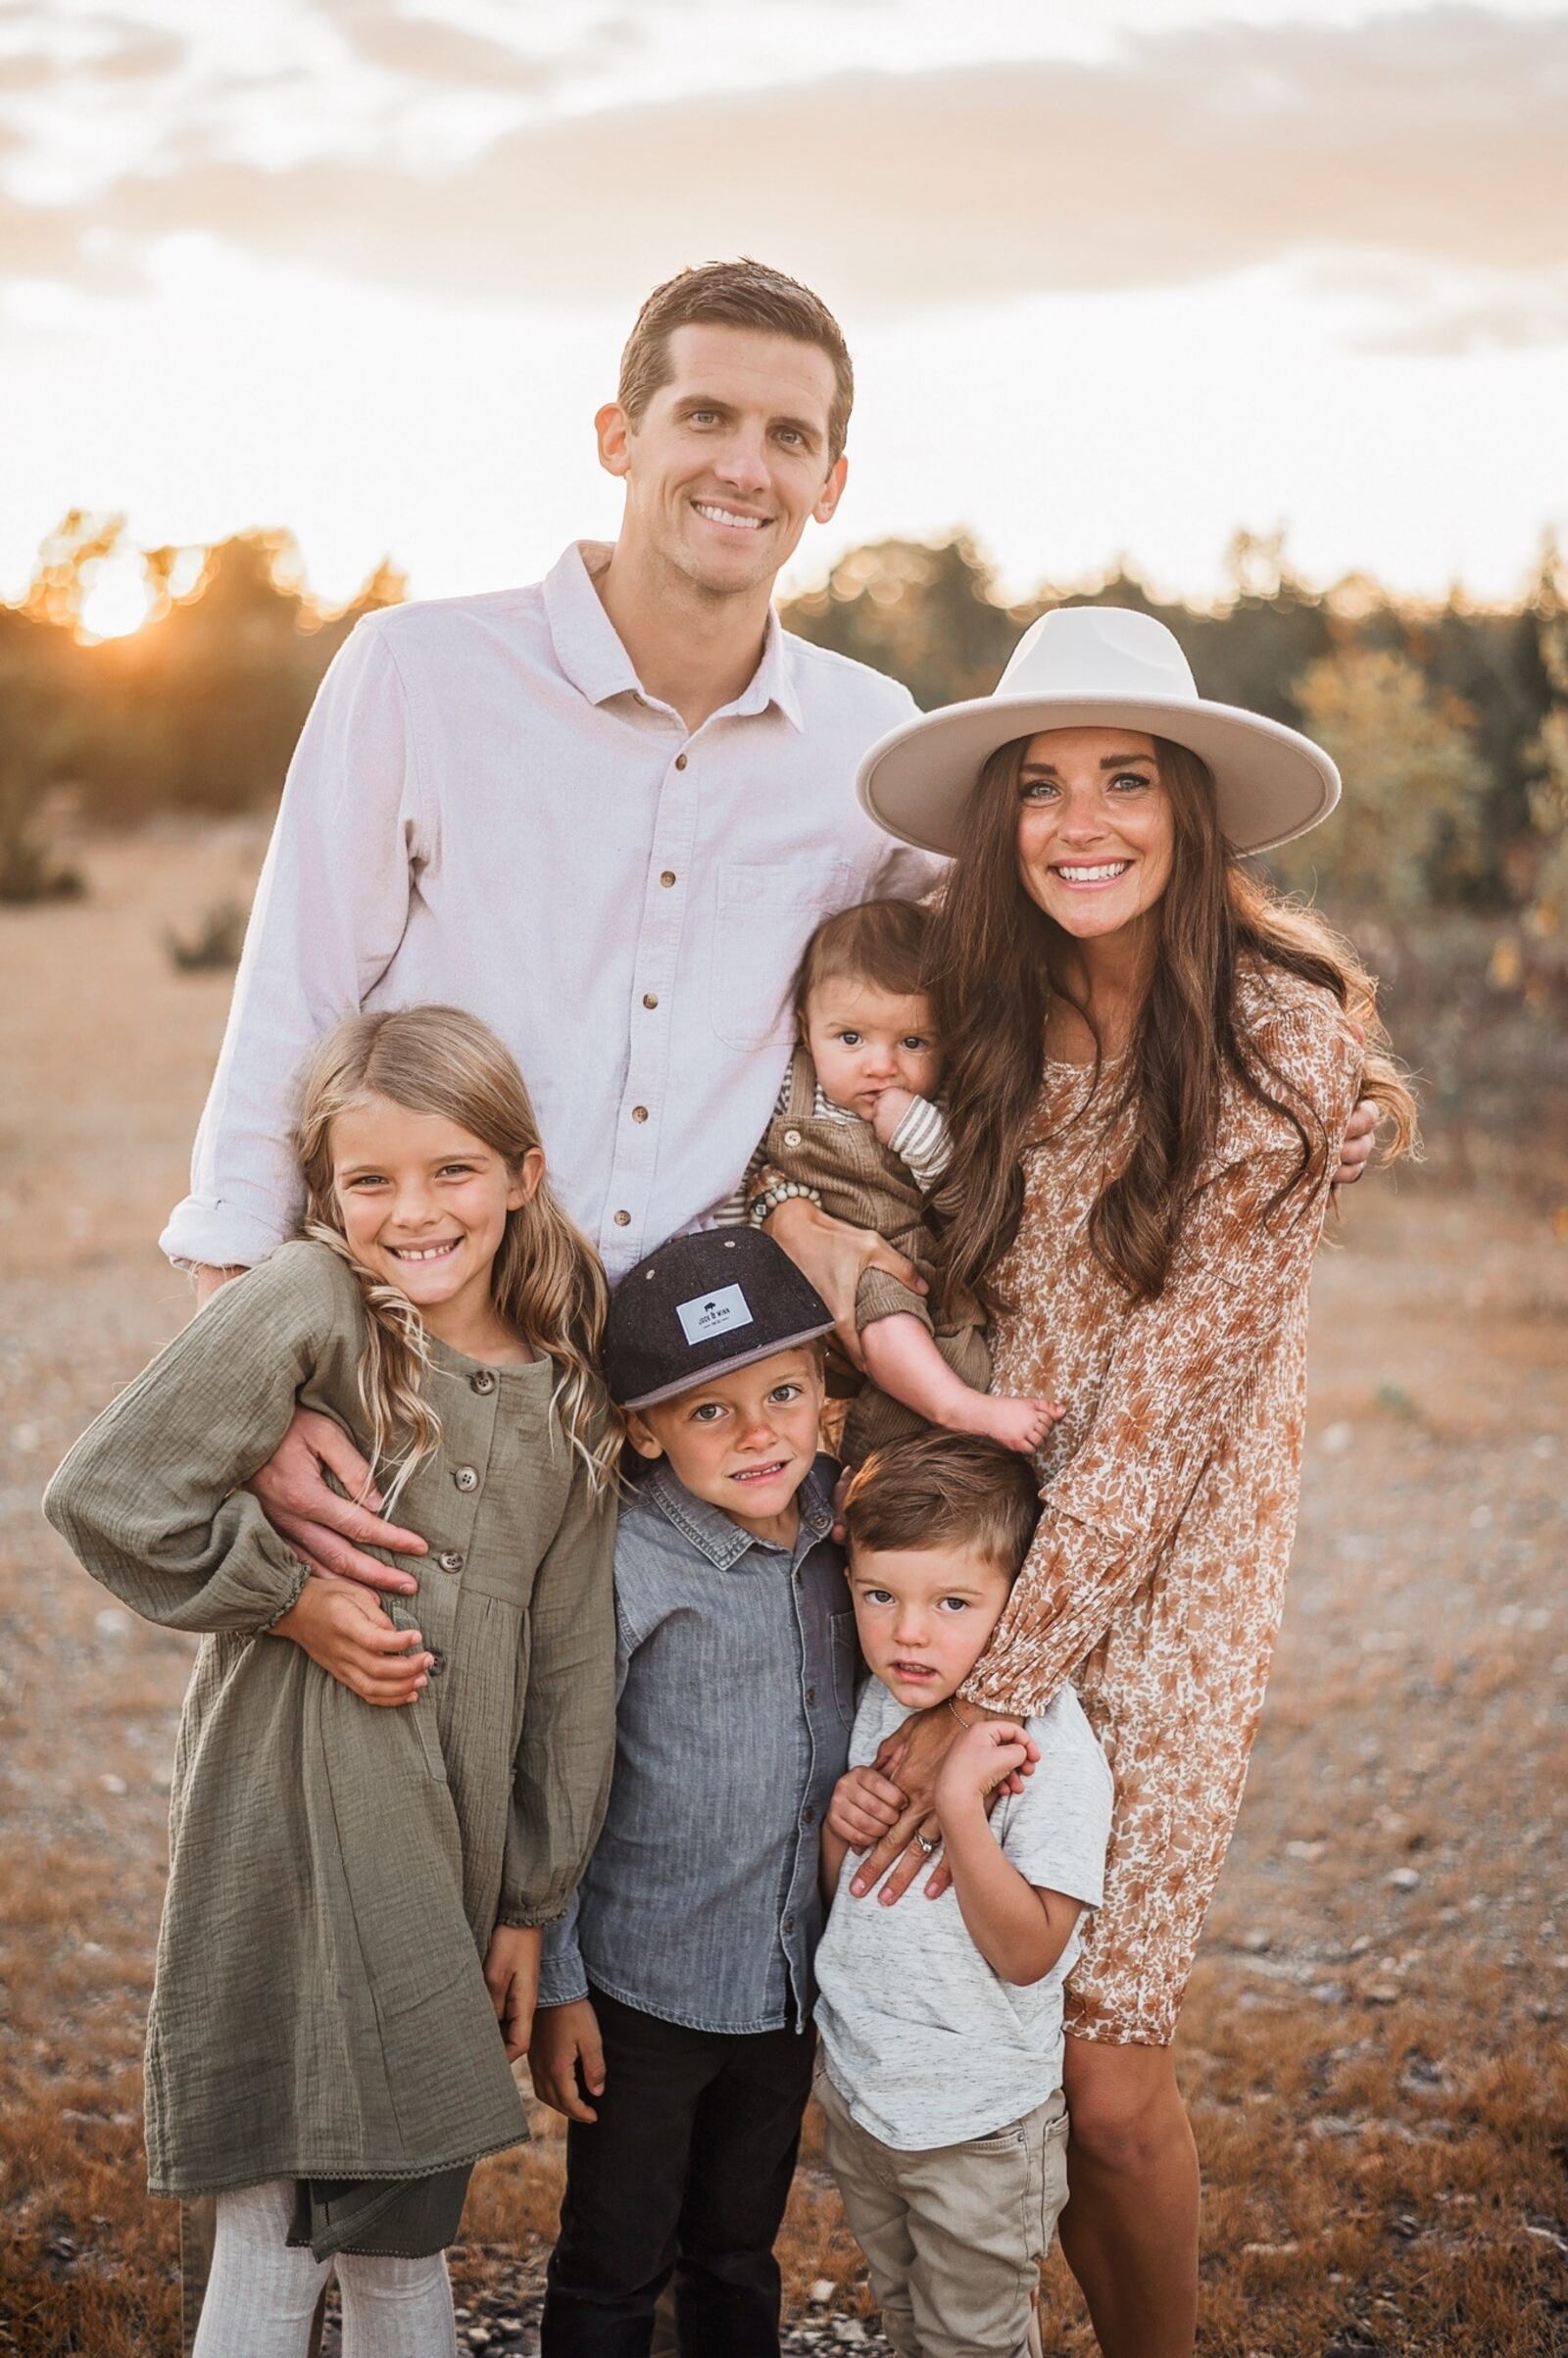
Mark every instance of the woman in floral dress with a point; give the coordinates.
(1150, 1066)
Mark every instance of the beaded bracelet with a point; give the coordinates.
(779, 1193)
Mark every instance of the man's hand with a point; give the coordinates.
(1361, 1134)
(835, 1256)
(912, 1759)
(512, 1977)
(337, 1625)
(889, 1111)
(565, 2040)
(320, 1526)
(864, 1805)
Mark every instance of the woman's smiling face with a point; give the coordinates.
(1096, 828)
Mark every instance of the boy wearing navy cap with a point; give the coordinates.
(675, 1999)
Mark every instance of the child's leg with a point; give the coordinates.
(878, 2213)
(744, 2138)
(260, 2296)
(981, 2219)
(396, 2308)
(626, 2179)
(902, 1360)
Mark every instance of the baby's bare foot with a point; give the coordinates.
(1018, 1424)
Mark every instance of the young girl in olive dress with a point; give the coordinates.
(350, 1943)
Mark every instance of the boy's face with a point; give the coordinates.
(924, 1615)
(864, 1040)
(745, 1441)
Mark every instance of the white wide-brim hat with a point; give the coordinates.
(1097, 666)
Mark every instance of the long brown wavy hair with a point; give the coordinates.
(546, 1280)
(997, 962)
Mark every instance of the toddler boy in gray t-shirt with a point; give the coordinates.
(941, 2021)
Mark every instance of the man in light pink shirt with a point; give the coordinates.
(604, 812)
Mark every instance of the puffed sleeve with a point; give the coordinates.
(1178, 1368)
(149, 1499)
(561, 1778)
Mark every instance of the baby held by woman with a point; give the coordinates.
(858, 1128)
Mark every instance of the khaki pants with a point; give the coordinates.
(954, 2235)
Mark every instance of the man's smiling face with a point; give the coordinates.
(729, 458)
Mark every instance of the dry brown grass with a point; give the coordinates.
(1376, 2073)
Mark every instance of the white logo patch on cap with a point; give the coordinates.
(713, 1314)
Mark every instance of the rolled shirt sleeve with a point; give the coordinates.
(330, 910)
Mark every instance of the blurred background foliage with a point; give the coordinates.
(1447, 858)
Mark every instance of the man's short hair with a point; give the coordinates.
(734, 294)
(880, 942)
(943, 1490)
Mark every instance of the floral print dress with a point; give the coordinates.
(1157, 1576)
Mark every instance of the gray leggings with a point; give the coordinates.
(262, 2295)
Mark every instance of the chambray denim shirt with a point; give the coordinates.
(735, 1664)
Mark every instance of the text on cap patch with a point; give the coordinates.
(713, 1314)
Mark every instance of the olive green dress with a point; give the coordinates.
(337, 1867)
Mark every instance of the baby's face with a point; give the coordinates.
(864, 1040)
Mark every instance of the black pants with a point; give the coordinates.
(687, 2168)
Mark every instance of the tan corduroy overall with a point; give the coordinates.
(862, 1182)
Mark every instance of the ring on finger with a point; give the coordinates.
(929, 1846)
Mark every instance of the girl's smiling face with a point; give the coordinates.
(424, 1206)
(1096, 832)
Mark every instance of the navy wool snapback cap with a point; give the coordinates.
(702, 1305)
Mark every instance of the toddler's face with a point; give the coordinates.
(924, 1615)
(744, 1442)
(864, 1040)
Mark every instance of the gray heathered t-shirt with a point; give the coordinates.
(924, 2042)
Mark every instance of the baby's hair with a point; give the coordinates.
(880, 942)
(546, 1280)
(942, 1490)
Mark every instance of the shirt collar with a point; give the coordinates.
(590, 655)
(723, 1541)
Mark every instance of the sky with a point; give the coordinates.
(1118, 278)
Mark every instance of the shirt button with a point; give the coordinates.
(788, 1924)
(810, 1694)
(438, 1662)
(466, 1477)
(681, 761)
(623, 1219)
(792, 1137)
(649, 999)
(450, 1560)
(483, 1382)
(808, 1815)
(667, 878)
(639, 1114)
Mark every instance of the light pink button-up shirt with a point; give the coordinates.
(486, 808)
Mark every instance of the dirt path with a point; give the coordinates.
(1374, 2042)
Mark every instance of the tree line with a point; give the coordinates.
(1449, 721)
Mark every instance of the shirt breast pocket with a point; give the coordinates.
(762, 920)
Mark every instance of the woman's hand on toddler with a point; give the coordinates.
(564, 2039)
(340, 1626)
(989, 1754)
(864, 1805)
(512, 1977)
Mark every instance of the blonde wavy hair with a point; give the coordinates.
(546, 1280)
